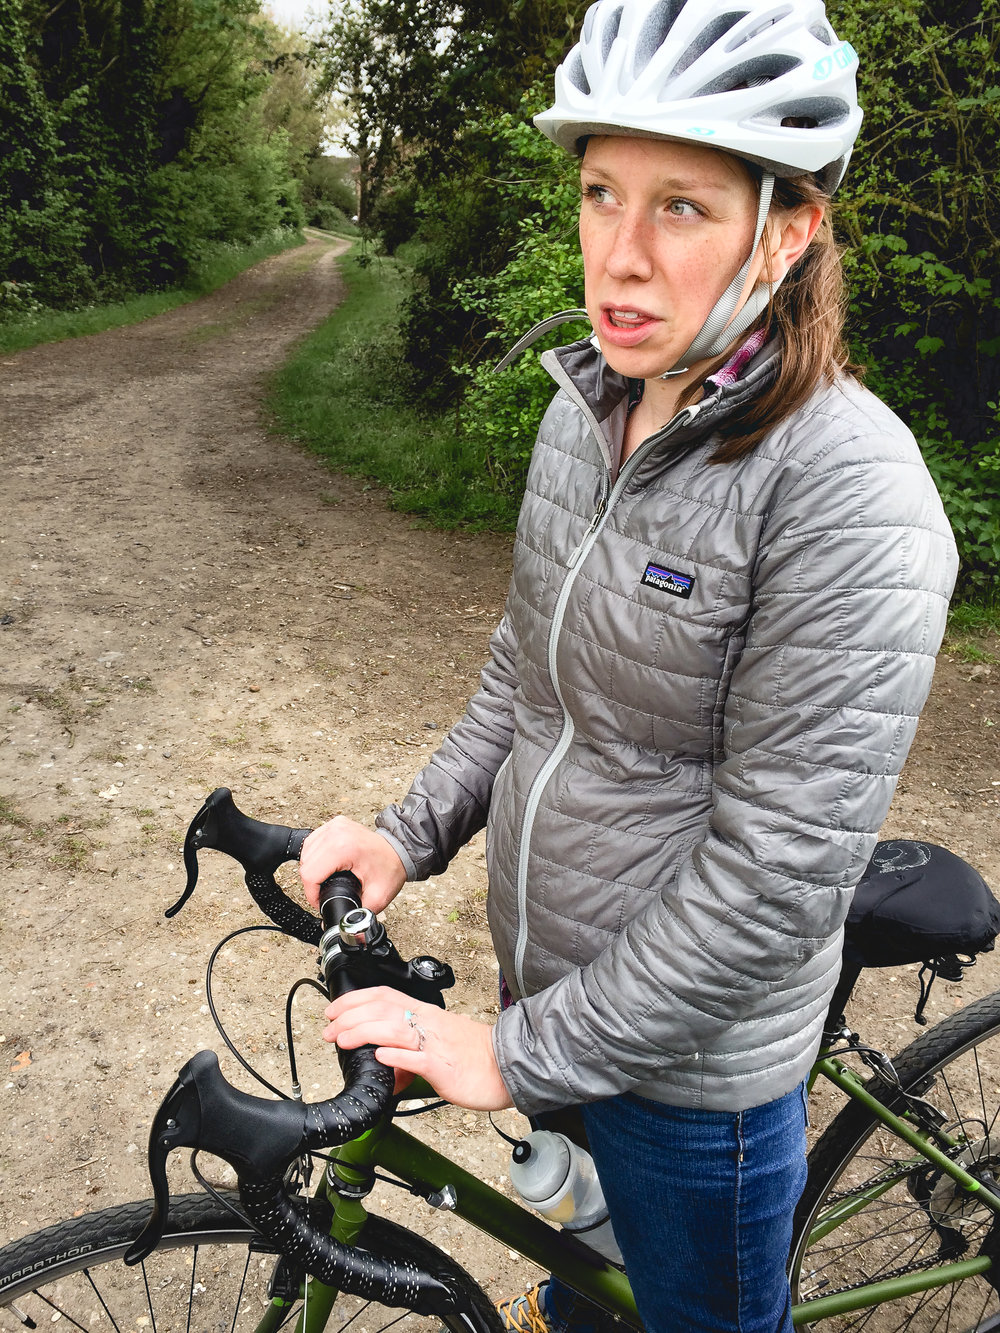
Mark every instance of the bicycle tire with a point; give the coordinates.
(209, 1274)
(921, 1219)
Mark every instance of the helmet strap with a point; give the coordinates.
(722, 327)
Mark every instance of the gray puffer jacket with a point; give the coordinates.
(699, 700)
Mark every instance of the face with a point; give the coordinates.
(664, 229)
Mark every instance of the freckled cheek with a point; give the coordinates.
(594, 254)
(594, 274)
(701, 271)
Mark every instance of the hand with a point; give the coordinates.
(453, 1053)
(344, 844)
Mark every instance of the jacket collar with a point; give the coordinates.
(602, 394)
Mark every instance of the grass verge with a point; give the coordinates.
(220, 265)
(343, 395)
(973, 633)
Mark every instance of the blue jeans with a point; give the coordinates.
(702, 1204)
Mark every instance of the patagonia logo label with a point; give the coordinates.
(668, 580)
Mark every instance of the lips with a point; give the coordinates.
(625, 326)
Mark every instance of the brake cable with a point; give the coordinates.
(210, 1001)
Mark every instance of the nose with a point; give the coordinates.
(630, 254)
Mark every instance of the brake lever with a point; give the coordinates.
(174, 1124)
(259, 1138)
(260, 849)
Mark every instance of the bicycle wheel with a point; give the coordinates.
(210, 1274)
(913, 1217)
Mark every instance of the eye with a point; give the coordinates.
(597, 194)
(683, 208)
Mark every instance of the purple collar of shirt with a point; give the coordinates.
(736, 364)
(728, 374)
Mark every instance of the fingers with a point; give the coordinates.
(344, 844)
(378, 1017)
(357, 1026)
(407, 1065)
(451, 1051)
(385, 997)
(389, 1036)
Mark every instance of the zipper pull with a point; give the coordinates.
(594, 523)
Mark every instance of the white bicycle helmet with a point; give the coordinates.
(766, 80)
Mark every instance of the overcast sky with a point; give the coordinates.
(294, 13)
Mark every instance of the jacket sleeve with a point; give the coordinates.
(854, 569)
(449, 799)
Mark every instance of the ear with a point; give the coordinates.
(790, 235)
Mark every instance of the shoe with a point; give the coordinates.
(524, 1314)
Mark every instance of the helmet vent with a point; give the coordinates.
(750, 74)
(659, 21)
(755, 78)
(809, 113)
(576, 74)
(776, 16)
(609, 33)
(708, 36)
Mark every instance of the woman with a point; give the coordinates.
(730, 579)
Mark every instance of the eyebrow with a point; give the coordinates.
(680, 184)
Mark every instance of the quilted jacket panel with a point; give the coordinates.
(698, 704)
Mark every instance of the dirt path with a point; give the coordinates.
(189, 601)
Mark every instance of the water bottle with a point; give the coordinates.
(559, 1180)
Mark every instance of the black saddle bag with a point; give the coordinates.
(916, 903)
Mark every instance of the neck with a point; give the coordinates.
(660, 397)
(658, 406)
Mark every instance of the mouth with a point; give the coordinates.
(625, 326)
(627, 319)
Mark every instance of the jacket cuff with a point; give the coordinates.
(532, 1092)
(401, 852)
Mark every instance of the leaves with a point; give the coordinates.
(921, 205)
(138, 134)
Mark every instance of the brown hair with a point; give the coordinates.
(807, 314)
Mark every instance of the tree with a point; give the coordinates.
(138, 134)
(329, 192)
(382, 64)
(920, 214)
(40, 225)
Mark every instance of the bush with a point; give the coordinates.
(328, 191)
(132, 140)
(42, 228)
(470, 216)
(328, 217)
(394, 216)
(502, 411)
(919, 212)
(544, 275)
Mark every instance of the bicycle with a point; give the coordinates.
(899, 1225)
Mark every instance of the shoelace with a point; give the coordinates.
(522, 1314)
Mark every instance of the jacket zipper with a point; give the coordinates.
(558, 751)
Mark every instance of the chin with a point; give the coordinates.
(634, 363)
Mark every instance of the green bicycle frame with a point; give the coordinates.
(877, 1293)
(430, 1173)
(394, 1150)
